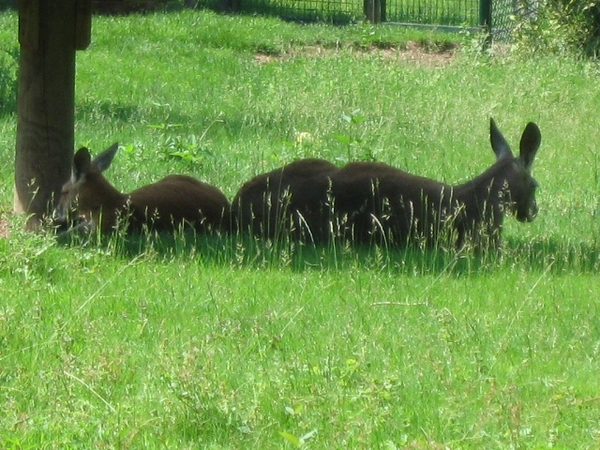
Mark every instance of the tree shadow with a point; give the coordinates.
(9, 63)
(110, 110)
(8, 5)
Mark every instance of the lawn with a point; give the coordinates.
(227, 342)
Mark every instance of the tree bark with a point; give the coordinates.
(45, 124)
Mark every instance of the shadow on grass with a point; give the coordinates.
(8, 5)
(109, 110)
(208, 424)
(9, 61)
(544, 255)
(555, 255)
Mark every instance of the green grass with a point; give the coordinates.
(226, 342)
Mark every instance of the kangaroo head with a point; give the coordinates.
(81, 196)
(519, 186)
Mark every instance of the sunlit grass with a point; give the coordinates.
(179, 349)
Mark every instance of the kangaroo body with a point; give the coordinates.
(367, 202)
(175, 201)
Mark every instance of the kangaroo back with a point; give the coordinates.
(370, 202)
(262, 206)
(179, 200)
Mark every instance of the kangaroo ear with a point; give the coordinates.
(82, 163)
(103, 160)
(499, 144)
(530, 142)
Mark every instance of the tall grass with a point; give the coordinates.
(229, 342)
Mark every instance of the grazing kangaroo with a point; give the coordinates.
(369, 202)
(174, 201)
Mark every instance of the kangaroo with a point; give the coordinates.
(366, 201)
(173, 202)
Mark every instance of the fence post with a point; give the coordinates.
(49, 34)
(485, 20)
(373, 10)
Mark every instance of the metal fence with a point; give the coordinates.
(461, 13)
(501, 18)
(336, 11)
(494, 15)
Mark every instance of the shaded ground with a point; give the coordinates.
(425, 54)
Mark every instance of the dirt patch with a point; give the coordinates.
(4, 232)
(265, 58)
(420, 54)
(423, 54)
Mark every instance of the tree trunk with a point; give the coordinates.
(45, 125)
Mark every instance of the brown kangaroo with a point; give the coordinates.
(374, 202)
(173, 202)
